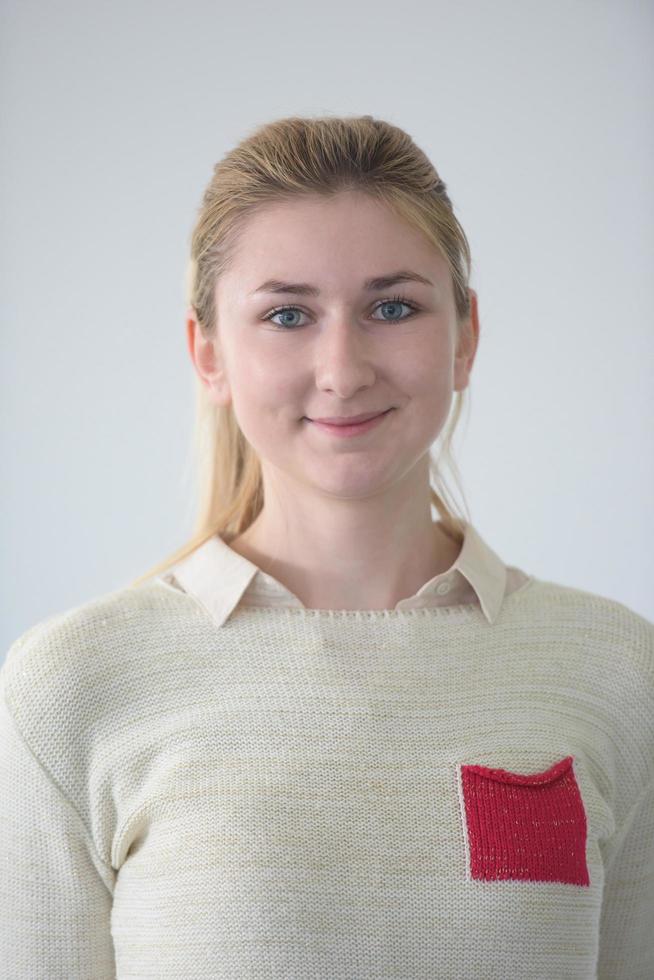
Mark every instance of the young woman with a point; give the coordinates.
(330, 736)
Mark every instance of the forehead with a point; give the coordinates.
(340, 240)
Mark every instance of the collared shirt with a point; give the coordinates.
(221, 579)
(427, 791)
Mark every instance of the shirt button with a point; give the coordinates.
(443, 588)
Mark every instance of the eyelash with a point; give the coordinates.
(383, 302)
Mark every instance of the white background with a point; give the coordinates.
(537, 116)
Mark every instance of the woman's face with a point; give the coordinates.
(346, 349)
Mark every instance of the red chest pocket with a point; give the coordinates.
(531, 828)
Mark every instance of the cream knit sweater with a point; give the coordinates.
(201, 778)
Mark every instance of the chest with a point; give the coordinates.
(365, 833)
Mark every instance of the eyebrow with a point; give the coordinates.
(370, 285)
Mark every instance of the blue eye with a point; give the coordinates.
(395, 301)
(278, 312)
(398, 301)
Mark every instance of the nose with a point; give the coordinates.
(344, 359)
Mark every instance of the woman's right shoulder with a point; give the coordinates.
(74, 639)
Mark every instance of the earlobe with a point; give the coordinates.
(190, 332)
(198, 347)
(206, 360)
(467, 345)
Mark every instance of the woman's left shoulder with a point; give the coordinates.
(606, 622)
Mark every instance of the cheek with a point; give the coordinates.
(259, 373)
(427, 376)
(428, 389)
(269, 374)
(266, 392)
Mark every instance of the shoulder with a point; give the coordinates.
(60, 663)
(604, 632)
(81, 681)
(574, 606)
(600, 653)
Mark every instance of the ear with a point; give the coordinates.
(207, 360)
(467, 345)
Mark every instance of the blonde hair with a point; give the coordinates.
(282, 161)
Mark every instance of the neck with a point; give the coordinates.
(362, 556)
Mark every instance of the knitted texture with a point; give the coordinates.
(525, 827)
(305, 794)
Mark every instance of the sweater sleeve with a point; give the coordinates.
(627, 922)
(55, 891)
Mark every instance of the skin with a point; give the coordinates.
(346, 523)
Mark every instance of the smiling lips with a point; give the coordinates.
(349, 428)
(350, 419)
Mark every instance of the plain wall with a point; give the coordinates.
(538, 118)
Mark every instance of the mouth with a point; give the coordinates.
(348, 419)
(347, 428)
